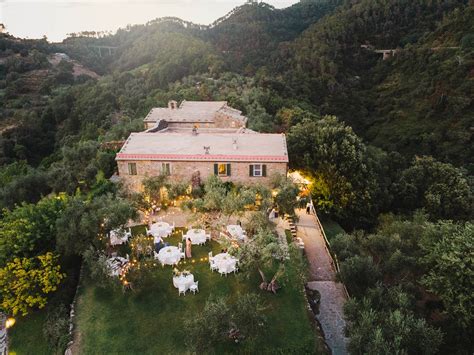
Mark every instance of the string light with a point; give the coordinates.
(10, 322)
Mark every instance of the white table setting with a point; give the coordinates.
(170, 255)
(236, 231)
(119, 236)
(183, 280)
(197, 236)
(160, 229)
(225, 263)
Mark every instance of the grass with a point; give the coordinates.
(331, 228)
(289, 236)
(26, 336)
(152, 321)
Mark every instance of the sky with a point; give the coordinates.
(57, 18)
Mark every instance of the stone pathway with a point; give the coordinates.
(322, 278)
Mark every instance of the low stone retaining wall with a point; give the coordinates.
(72, 314)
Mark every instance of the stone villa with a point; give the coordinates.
(200, 138)
(202, 114)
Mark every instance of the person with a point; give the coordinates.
(308, 208)
(188, 248)
(158, 244)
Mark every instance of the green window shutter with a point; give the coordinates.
(216, 169)
(228, 169)
(250, 170)
(264, 169)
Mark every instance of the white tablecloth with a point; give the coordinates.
(160, 229)
(197, 236)
(185, 281)
(225, 262)
(119, 236)
(169, 255)
(236, 231)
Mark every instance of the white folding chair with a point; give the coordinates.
(180, 247)
(208, 237)
(213, 266)
(194, 287)
(181, 290)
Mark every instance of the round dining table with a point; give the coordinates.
(160, 229)
(225, 262)
(170, 255)
(183, 280)
(197, 236)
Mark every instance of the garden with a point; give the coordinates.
(176, 271)
(155, 319)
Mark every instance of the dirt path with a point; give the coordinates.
(322, 278)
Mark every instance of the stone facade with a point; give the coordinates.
(183, 171)
(224, 121)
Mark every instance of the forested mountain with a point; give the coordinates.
(249, 37)
(419, 101)
(387, 143)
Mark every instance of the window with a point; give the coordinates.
(257, 170)
(165, 168)
(222, 169)
(132, 168)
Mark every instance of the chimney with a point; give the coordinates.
(172, 105)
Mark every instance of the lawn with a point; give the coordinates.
(26, 336)
(331, 228)
(152, 321)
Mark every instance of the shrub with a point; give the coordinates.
(56, 328)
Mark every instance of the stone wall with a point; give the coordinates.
(224, 121)
(183, 171)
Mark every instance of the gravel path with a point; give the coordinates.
(322, 278)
